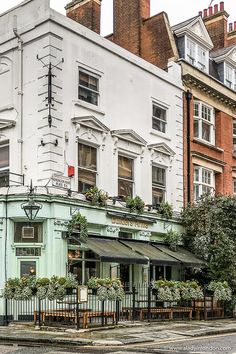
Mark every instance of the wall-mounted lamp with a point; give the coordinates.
(31, 208)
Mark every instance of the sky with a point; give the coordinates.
(177, 10)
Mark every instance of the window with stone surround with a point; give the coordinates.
(87, 167)
(204, 122)
(196, 55)
(204, 182)
(158, 185)
(159, 120)
(125, 176)
(88, 87)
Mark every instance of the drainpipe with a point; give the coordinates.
(188, 96)
(20, 89)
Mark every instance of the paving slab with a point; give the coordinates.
(124, 334)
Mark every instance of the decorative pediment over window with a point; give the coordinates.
(129, 135)
(162, 154)
(128, 140)
(162, 148)
(89, 128)
(90, 122)
(196, 29)
(225, 54)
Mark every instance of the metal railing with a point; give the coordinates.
(140, 303)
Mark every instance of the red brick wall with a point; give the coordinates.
(217, 30)
(128, 22)
(87, 14)
(224, 134)
(223, 181)
(156, 46)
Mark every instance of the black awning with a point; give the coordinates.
(155, 255)
(113, 251)
(187, 258)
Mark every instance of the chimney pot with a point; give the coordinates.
(222, 6)
(230, 27)
(210, 9)
(215, 9)
(200, 13)
(205, 12)
(234, 25)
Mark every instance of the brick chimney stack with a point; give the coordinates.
(217, 23)
(86, 12)
(128, 17)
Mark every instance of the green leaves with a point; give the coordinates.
(210, 232)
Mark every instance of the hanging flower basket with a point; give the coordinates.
(78, 223)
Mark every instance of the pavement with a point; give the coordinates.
(123, 334)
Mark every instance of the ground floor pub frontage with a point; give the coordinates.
(120, 243)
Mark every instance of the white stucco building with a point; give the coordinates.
(114, 117)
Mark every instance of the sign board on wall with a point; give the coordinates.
(61, 181)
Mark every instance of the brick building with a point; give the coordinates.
(205, 47)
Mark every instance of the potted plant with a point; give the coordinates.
(173, 239)
(24, 288)
(166, 210)
(96, 196)
(221, 290)
(79, 223)
(135, 204)
(106, 288)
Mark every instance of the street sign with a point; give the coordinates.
(61, 181)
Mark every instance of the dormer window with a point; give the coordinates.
(230, 77)
(196, 55)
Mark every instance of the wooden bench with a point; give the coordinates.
(170, 311)
(156, 310)
(88, 315)
(188, 310)
(217, 311)
(53, 313)
(70, 314)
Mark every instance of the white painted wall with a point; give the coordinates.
(128, 85)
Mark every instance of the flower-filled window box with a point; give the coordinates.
(106, 288)
(55, 288)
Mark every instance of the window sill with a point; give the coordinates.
(160, 134)
(205, 143)
(89, 106)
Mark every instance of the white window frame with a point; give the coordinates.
(230, 76)
(131, 181)
(96, 92)
(200, 182)
(161, 120)
(196, 54)
(204, 109)
(160, 186)
(82, 142)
